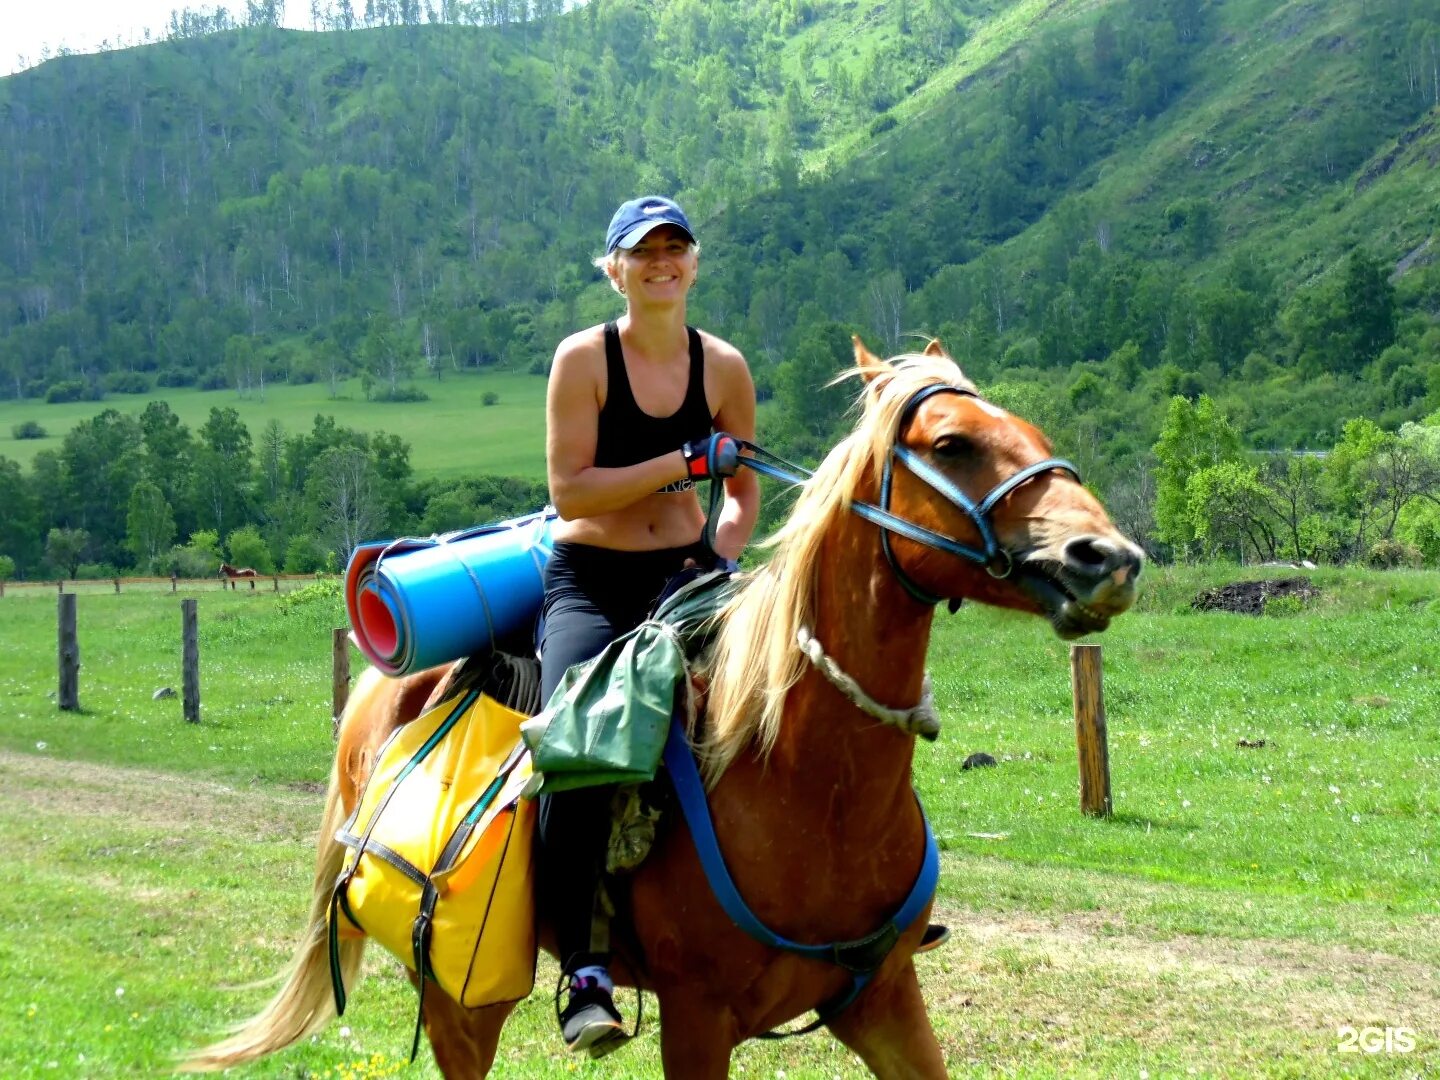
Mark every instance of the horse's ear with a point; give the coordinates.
(869, 364)
(936, 349)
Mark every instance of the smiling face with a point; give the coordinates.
(660, 267)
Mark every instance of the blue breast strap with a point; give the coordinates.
(861, 957)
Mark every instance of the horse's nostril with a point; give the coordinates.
(1097, 556)
(1086, 552)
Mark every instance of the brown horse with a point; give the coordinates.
(230, 573)
(810, 794)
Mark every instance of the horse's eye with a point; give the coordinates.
(953, 446)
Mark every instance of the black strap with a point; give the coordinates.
(615, 373)
(696, 385)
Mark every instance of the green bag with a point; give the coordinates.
(608, 719)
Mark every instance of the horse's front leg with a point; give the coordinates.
(890, 1030)
(696, 1037)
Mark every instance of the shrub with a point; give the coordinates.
(7, 568)
(247, 548)
(96, 572)
(127, 382)
(490, 397)
(303, 556)
(213, 380)
(1293, 604)
(882, 124)
(174, 376)
(28, 429)
(63, 392)
(401, 394)
(1392, 554)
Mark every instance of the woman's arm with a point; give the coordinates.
(736, 415)
(578, 488)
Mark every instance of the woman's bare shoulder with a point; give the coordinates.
(582, 351)
(720, 351)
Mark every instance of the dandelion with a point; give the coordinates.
(1355, 818)
(119, 991)
(41, 745)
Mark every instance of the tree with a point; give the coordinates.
(222, 469)
(345, 498)
(808, 409)
(1368, 305)
(1295, 480)
(1352, 476)
(149, 525)
(101, 459)
(169, 458)
(20, 527)
(1194, 437)
(384, 356)
(1229, 506)
(65, 548)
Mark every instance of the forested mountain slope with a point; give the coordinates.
(1097, 205)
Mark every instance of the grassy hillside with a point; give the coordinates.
(452, 436)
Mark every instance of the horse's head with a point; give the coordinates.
(980, 508)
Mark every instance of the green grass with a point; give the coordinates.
(1228, 919)
(453, 435)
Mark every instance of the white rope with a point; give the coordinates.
(920, 719)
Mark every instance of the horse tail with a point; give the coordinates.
(306, 1002)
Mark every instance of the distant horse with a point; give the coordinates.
(809, 779)
(230, 573)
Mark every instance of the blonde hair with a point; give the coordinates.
(756, 660)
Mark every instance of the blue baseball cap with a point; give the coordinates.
(638, 216)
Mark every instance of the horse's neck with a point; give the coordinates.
(878, 636)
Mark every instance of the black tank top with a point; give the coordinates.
(627, 434)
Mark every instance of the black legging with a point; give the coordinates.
(592, 596)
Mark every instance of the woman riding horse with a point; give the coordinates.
(817, 690)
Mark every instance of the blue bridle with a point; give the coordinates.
(995, 559)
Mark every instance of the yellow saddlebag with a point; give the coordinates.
(439, 869)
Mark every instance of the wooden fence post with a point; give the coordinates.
(1090, 738)
(117, 584)
(339, 675)
(275, 579)
(190, 657)
(69, 695)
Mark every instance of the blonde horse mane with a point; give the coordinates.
(756, 660)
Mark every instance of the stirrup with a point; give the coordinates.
(609, 1041)
(935, 935)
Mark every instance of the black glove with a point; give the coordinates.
(715, 455)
